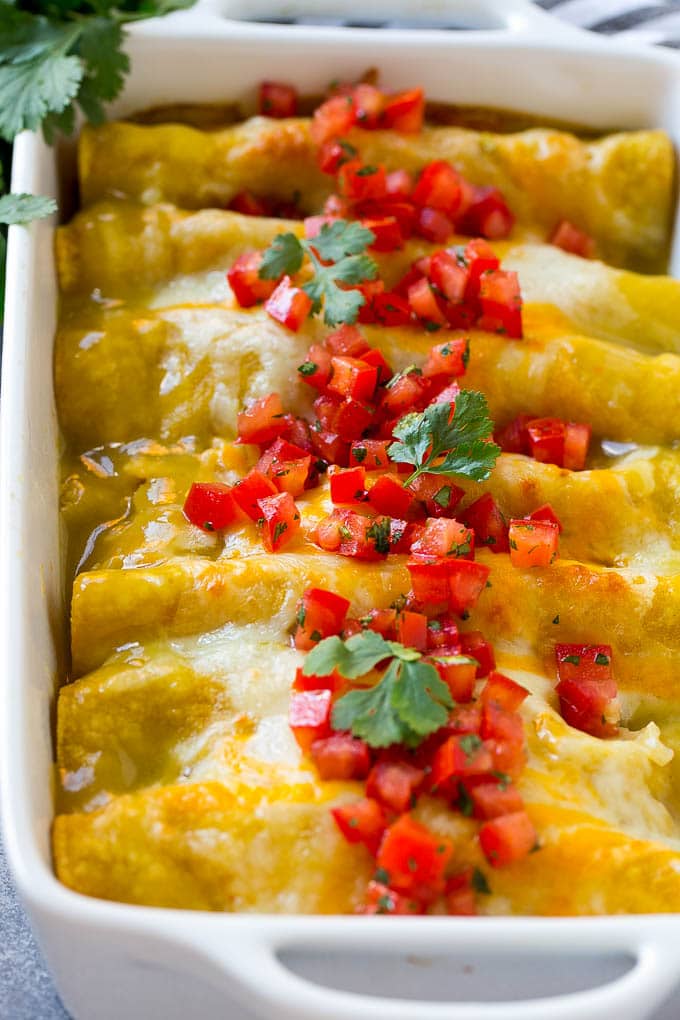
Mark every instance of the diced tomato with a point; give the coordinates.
(388, 496)
(430, 581)
(503, 691)
(386, 231)
(507, 839)
(404, 111)
(458, 673)
(309, 716)
(533, 543)
(412, 856)
(449, 358)
(369, 102)
(501, 303)
(314, 224)
(341, 756)
(399, 184)
(362, 821)
(330, 157)
(244, 279)
(444, 537)
(376, 358)
(434, 225)
(442, 633)
(382, 621)
(277, 99)
(316, 370)
(570, 239)
(281, 520)
(389, 207)
(380, 899)
(287, 465)
(348, 485)
(395, 784)
(391, 309)
(359, 181)
(460, 897)
(353, 378)
(475, 644)
(546, 440)
(546, 513)
(424, 305)
(460, 757)
(487, 215)
(438, 494)
(480, 259)
(411, 630)
(263, 420)
(370, 453)
(467, 581)
(329, 445)
(587, 689)
(210, 505)
(447, 395)
(576, 443)
(347, 418)
(351, 534)
(300, 434)
(449, 276)
(289, 305)
(514, 438)
(347, 342)
(333, 682)
(408, 279)
(351, 628)
(491, 800)
(254, 487)
(319, 615)
(403, 394)
(500, 724)
(249, 205)
(438, 186)
(369, 291)
(333, 119)
(488, 523)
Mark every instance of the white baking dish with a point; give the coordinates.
(112, 960)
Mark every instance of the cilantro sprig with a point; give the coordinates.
(337, 256)
(54, 56)
(431, 443)
(409, 702)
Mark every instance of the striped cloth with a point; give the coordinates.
(629, 19)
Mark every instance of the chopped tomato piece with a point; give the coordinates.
(507, 839)
(546, 440)
(411, 630)
(376, 358)
(319, 614)
(576, 443)
(395, 784)
(444, 537)
(353, 378)
(382, 621)
(332, 154)
(370, 453)
(362, 821)
(281, 520)
(351, 534)
(491, 800)
(460, 757)
(348, 485)
(458, 673)
(333, 119)
(424, 303)
(341, 756)
(244, 279)
(277, 99)
(434, 225)
(346, 417)
(443, 633)
(438, 186)
(263, 420)
(329, 445)
(501, 303)
(514, 438)
(488, 523)
(461, 900)
(587, 689)
(404, 111)
(438, 494)
(500, 724)
(449, 358)
(475, 644)
(380, 899)
(503, 691)
(210, 505)
(254, 487)
(314, 224)
(391, 309)
(487, 215)
(480, 259)
(403, 394)
(533, 543)
(333, 682)
(570, 239)
(399, 184)
(546, 513)
(282, 459)
(347, 342)
(449, 275)
(316, 370)
(412, 856)
(249, 205)
(369, 102)
(369, 291)
(359, 181)
(387, 233)
(467, 581)
(309, 716)
(289, 305)
(388, 496)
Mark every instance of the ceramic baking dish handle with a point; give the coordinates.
(267, 985)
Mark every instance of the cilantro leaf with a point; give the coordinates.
(352, 658)
(33, 88)
(24, 208)
(432, 443)
(284, 255)
(336, 240)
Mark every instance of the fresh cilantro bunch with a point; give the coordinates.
(59, 54)
(433, 444)
(409, 702)
(337, 255)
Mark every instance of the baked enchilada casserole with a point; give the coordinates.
(370, 486)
